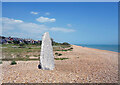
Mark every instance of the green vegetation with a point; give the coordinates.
(61, 50)
(63, 45)
(10, 42)
(29, 51)
(61, 58)
(22, 51)
(0, 62)
(58, 54)
(65, 50)
(9, 51)
(27, 56)
(71, 48)
(16, 42)
(30, 48)
(13, 63)
(18, 59)
(22, 44)
(36, 55)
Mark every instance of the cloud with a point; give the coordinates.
(47, 13)
(69, 25)
(45, 19)
(19, 28)
(62, 29)
(10, 21)
(12, 26)
(35, 13)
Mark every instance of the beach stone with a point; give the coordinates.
(46, 57)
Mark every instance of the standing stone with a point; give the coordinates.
(46, 57)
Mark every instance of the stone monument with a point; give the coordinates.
(46, 55)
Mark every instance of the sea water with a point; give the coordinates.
(102, 47)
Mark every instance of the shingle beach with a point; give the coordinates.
(84, 65)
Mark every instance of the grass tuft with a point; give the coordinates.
(0, 62)
(58, 54)
(61, 58)
(27, 56)
(13, 63)
(18, 59)
(36, 55)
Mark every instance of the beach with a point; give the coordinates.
(84, 65)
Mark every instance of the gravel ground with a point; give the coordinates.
(85, 65)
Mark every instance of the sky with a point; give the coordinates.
(72, 22)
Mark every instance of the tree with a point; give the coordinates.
(65, 43)
(10, 42)
(16, 42)
(52, 41)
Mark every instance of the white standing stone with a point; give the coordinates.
(46, 57)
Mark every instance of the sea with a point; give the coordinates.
(102, 47)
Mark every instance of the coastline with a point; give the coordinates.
(97, 49)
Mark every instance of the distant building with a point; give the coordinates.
(8, 40)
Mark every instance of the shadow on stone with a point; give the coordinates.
(39, 66)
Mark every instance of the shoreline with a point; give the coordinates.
(97, 49)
